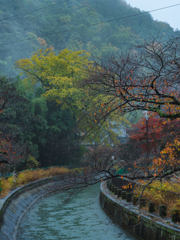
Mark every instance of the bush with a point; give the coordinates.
(32, 162)
(27, 176)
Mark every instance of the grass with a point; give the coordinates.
(27, 176)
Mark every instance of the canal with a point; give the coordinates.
(80, 218)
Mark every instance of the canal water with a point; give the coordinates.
(79, 218)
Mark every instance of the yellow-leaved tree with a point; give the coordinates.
(58, 75)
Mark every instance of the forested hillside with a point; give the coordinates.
(63, 25)
(38, 125)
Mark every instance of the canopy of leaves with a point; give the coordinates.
(57, 74)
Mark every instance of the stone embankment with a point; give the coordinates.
(14, 206)
(145, 226)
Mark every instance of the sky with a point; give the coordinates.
(171, 15)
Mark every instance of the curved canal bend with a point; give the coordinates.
(80, 218)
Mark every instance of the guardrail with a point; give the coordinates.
(115, 186)
(141, 224)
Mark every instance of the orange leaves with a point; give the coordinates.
(94, 114)
(100, 111)
(177, 142)
(127, 186)
(169, 154)
(95, 120)
(41, 41)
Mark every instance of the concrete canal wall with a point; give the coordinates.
(14, 206)
(143, 225)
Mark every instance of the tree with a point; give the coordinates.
(8, 90)
(145, 78)
(14, 152)
(18, 125)
(160, 132)
(8, 94)
(52, 81)
(108, 133)
(57, 74)
(161, 148)
(101, 159)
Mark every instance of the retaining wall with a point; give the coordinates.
(129, 216)
(14, 206)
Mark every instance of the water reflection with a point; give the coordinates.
(80, 218)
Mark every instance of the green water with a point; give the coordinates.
(80, 218)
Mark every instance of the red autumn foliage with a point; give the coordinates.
(11, 151)
(160, 131)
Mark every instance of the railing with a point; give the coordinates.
(116, 187)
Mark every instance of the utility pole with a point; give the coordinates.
(146, 117)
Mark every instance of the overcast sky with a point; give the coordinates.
(171, 15)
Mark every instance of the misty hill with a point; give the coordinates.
(63, 24)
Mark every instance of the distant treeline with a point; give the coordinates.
(55, 25)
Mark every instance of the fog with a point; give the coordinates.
(169, 15)
(64, 24)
